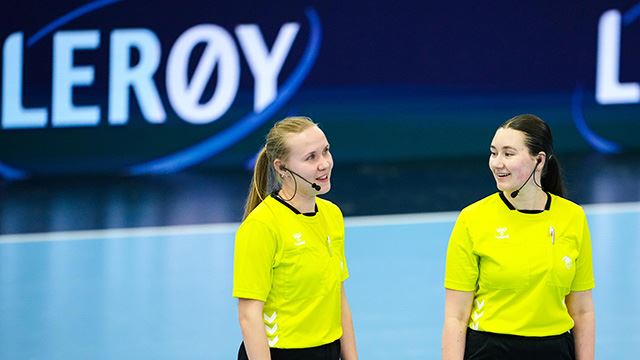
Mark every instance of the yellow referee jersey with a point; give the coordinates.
(295, 264)
(520, 265)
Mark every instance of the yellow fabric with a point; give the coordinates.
(295, 264)
(520, 266)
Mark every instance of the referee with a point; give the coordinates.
(289, 262)
(519, 270)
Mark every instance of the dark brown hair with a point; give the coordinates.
(538, 138)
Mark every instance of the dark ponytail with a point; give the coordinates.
(538, 139)
(552, 180)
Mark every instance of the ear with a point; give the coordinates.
(279, 166)
(541, 158)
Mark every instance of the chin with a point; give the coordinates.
(503, 189)
(324, 189)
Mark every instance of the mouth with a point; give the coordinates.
(501, 175)
(323, 178)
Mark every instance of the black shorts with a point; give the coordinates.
(481, 345)
(329, 351)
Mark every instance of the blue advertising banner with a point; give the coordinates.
(132, 87)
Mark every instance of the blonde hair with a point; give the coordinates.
(264, 176)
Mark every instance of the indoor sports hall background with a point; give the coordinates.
(127, 131)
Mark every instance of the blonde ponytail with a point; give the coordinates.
(259, 183)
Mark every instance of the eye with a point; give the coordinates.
(492, 153)
(326, 150)
(311, 157)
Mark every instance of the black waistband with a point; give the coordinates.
(330, 351)
(520, 337)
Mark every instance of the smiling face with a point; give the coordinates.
(308, 156)
(510, 161)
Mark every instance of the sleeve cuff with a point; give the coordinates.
(253, 295)
(453, 285)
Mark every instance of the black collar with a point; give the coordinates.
(295, 211)
(547, 206)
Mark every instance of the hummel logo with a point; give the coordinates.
(476, 315)
(271, 329)
(273, 341)
(270, 319)
(501, 233)
(297, 239)
(567, 262)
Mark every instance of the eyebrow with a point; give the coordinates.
(321, 150)
(504, 148)
(310, 153)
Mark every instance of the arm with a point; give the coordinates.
(348, 339)
(457, 310)
(255, 337)
(580, 306)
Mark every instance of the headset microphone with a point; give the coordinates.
(315, 186)
(515, 193)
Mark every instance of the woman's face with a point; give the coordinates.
(510, 161)
(309, 156)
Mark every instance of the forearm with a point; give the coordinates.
(580, 307)
(453, 339)
(255, 339)
(457, 309)
(253, 332)
(348, 344)
(348, 340)
(584, 335)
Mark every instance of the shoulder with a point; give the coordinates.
(488, 203)
(565, 206)
(328, 206)
(263, 215)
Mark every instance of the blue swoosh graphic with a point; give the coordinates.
(220, 141)
(631, 15)
(72, 15)
(599, 143)
(243, 127)
(11, 173)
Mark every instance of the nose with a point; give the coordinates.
(325, 163)
(495, 162)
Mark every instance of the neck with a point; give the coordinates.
(529, 198)
(302, 202)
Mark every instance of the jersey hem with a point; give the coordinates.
(321, 343)
(536, 335)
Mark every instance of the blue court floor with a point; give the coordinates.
(165, 293)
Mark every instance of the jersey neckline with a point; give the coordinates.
(547, 206)
(295, 211)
